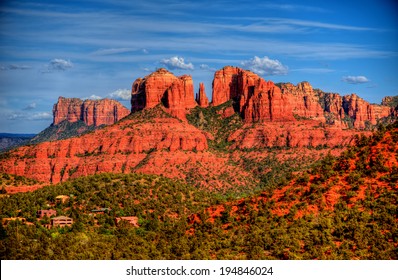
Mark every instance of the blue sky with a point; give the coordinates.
(92, 49)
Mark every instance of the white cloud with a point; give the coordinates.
(265, 66)
(93, 97)
(207, 67)
(58, 64)
(31, 106)
(41, 116)
(121, 94)
(27, 116)
(355, 79)
(176, 62)
(16, 116)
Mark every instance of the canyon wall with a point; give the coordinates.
(92, 112)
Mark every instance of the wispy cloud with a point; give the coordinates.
(41, 116)
(14, 67)
(58, 64)
(31, 106)
(27, 116)
(317, 24)
(265, 66)
(293, 8)
(176, 62)
(111, 51)
(93, 97)
(214, 34)
(313, 70)
(207, 67)
(355, 79)
(121, 94)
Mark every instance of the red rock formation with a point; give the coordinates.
(117, 148)
(162, 87)
(303, 133)
(92, 112)
(305, 101)
(391, 101)
(362, 113)
(201, 97)
(258, 100)
(225, 85)
(261, 101)
(265, 102)
(69, 109)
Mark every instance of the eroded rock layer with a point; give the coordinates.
(92, 112)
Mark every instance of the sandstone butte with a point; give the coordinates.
(262, 101)
(176, 94)
(91, 112)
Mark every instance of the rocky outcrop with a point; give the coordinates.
(117, 148)
(305, 101)
(351, 111)
(362, 113)
(201, 97)
(67, 109)
(301, 133)
(225, 85)
(91, 112)
(176, 94)
(257, 100)
(391, 101)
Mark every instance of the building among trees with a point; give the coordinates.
(61, 221)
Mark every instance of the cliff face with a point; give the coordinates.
(69, 109)
(225, 85)
(305, 101)
(261, 101)
(361, 112)
(176, 94)
(257, 99)
(91, 112)
(351, 111)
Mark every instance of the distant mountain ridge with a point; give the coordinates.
(17, 135)
(12, 140)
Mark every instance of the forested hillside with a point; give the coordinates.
(342, 208)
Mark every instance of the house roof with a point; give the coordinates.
(61, 218)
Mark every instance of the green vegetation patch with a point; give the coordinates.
(63, 130)
(210, 119)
